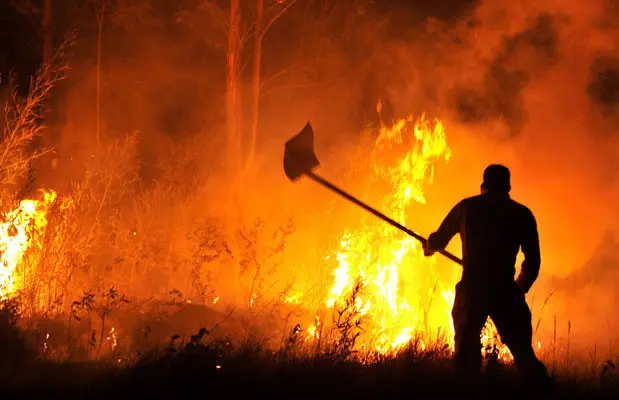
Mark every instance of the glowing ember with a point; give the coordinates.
(45, 347)
(399, 285)
(113, 337)
(18, 232)
(313, 331)
(293, 298)
(491, 342)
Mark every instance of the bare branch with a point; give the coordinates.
(99, 7)
(267, 79)
(245, 64)
(222, 19)
(247, 34)
(277, 12)
(23, 116)
(26, 7)
(129, 13)
(29, 10)
(289, 87)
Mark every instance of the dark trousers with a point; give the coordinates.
(507, 307)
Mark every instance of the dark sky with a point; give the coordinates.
(441, 9)
(20, 38)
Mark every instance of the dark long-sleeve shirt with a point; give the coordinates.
(493, 228)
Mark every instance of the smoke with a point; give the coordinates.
(548, 82)
(531, 84)
(535, 88)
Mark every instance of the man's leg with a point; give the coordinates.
(512, 318)
(469, 315)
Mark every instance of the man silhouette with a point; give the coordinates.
(493, 228)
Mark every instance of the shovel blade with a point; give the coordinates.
(299, 157)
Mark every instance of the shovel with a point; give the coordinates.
(299, 160)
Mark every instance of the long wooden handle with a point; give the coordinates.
(380, 215)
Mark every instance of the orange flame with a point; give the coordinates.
(403, 295)
(18, 233)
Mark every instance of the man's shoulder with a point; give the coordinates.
(468, 203)
(472, 199)
(521, 208)
(481, 201)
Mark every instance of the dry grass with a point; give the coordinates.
(217, 367)
(205, 363)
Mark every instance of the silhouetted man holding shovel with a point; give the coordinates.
(493, 228)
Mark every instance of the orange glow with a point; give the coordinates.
(180, 202)
(19, 232)
(403, 295)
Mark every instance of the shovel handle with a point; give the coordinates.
(380, 215)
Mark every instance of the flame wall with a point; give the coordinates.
(527, 84)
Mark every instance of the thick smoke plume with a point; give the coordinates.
(535, 87)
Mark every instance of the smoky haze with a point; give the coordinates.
(531, 84)
(535, 88)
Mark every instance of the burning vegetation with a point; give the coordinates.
(145, 221)
(393, 293)
(21, 232)
(398, 293)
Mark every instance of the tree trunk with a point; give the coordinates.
(233, 116)
(100, 18)
(48, 41)
(255, 92)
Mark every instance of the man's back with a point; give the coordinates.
(493, 228)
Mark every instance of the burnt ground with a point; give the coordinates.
(258, 373)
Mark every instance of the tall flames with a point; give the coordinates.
(380, 272)
(400, 294)
(19, 231)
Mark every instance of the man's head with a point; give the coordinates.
(496, 179)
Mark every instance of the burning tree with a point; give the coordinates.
(22, 220)
(238, 29)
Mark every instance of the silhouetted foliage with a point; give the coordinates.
(13, 347)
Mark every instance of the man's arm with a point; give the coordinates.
(532, 257)
(446, 231)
